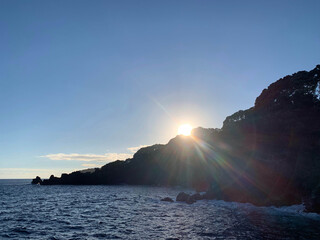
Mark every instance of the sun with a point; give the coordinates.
(185, 129)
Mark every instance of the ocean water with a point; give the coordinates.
(136, 212)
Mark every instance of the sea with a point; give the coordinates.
(136, 212)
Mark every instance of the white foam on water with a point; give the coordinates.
(317, 91)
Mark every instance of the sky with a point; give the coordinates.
(83, 83)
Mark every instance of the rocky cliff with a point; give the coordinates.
(267, 155)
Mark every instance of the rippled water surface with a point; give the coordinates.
(136, 212)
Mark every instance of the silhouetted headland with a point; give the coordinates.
(266, 155)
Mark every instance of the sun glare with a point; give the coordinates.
(185, 129)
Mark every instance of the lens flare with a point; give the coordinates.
(185, 129)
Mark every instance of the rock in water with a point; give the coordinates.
(37, 180)
(197, 196)
(191, 199)
(312, 203)
(167, 199)
(209, 195)
(182, 197)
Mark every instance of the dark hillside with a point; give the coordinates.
(268, 154)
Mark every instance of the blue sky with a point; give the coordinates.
(81, 82)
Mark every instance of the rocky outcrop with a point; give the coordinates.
(37, 180)
(197, 196)
(209, 195)
(182, 197)
(167, 199)
(266, 155)
(191, 199)
(312, 202)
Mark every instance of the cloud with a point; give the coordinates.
(108, 157)
(135, 149)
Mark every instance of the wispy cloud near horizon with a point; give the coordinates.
(108, 157)
(93, 160)
(135, 149)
